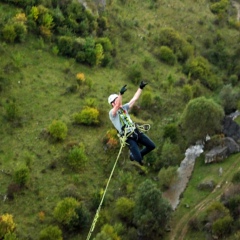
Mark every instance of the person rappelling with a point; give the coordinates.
(123, 123)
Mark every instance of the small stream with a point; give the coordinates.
(185, 170)
(184, 173)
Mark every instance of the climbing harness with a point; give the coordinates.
(127, 132)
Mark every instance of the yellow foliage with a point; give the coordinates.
(45, 32)
(80, 78)
(20, 17)
(6, 224)
(41, 216)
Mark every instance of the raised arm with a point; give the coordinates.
(118, 101)
(137, 94)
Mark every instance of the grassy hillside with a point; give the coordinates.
(40, 84)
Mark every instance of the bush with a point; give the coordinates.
(51, 233)
(124, 208)
(172, 39)
(21, 31)
(216, 211)
(219, 7)
(167, 55)
(167, 176)
(134, 74)
(10, 236)
(65, 211)
(198, 68)
(171, 154)
(21, 176)
(7, 225)
(9, 33)
(187, 92)
(72, 214)
(88, 116)
(107, 232)
(236, 177)
(151, 212)
(58, 130)
(77, 157)
(91, 52)
(65, 46)
(222, 226)
(229, 98)
(147, 99)
(170, 131)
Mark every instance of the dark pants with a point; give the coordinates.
(139, 138)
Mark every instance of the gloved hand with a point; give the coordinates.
(143, 84)
(123, 89)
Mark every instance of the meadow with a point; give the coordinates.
(41, 84)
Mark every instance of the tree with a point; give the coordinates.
(151, 212)
(201, 116)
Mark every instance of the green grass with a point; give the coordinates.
(37, 81)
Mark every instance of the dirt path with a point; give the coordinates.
(181, 228)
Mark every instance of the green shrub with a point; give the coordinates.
(167, 55)
(236, 177)
(106, 44)
(147, 99)
(124, 208)
(107, 232)
(83, 218)
(65, 211)
(90, 51)
(10, 236)
(134, 74)
(81, 57)
(58, 130)
(229, 98)
(171, 154)
(71, 214)
(170, 131)
(197, 68)
(65, 45)
(172, 39)
(77, 157)
(51, 233)
(187, 92)
(21, 31)
(233, 79)
(99, 54)
(78, 45)
(22, 176)
(222, 226)
(167, 176)
(220, 6)
(88, 116)
(9, 33)
(151, 212)
(216, 211)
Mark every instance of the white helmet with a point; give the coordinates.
(112, 97)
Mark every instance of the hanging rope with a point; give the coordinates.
(144, 127)
(123, 143)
